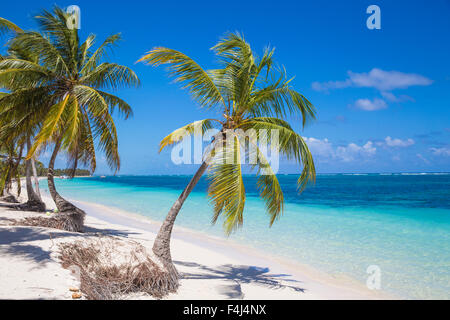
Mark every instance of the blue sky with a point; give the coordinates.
(382, 96)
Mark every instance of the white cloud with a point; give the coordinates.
(353, 152)
(382, 80)
(441, 151)
(389, 96)
(324, 150)
(321, 148)
(326, 86)
(399, 143)
(369, 105)
(393, 98)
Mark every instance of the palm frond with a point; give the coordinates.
(100, 53)
(7, 26)
(290, 144)
(280, 100)
(114, 102)
(226, 185)
(189, 73)
(267, 182)
(74, 122)
(64, 38)
(239, 62)
(95, 103)
(104, 130)
(82, 148)
(111, 75)
(178, 135)
(51, 57)
(50, 125)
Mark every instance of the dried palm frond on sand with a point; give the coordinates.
(111, 268)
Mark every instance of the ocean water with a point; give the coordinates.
(341, 225)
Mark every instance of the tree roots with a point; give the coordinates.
(33, 206)
(72, 221)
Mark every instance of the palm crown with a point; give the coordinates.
(62, 86)
(254, 95)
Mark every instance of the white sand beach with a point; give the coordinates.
(211, 268)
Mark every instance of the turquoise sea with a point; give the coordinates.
(341, 225)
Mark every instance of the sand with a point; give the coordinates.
(211, 268)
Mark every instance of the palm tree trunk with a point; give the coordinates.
(14, 171)
(59, 201)
(74, 168)
(161, 247)
(34, 203)
(36, 179)
(73, 216)
(32, 197)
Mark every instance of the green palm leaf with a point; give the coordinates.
(267, 183)
(50, 125)
(226, 189)
(178, 135)
(7, 26)
(188, 72)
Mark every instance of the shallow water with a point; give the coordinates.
(342, 225)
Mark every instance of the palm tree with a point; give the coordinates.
(251, 94)
(10, 127)
(67, 85)
(17, 124)
(10, 158)
(18, 129)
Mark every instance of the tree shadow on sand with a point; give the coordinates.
(108, 232)
(240, 275)
(29, 252)
(9, 206)
(18, 241)
(20, 235)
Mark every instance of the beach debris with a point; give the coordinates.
(112, 268)
(71, 221)
(77, 296)
(74, 290)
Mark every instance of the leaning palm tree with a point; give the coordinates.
(252, 95)
(68, 84)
